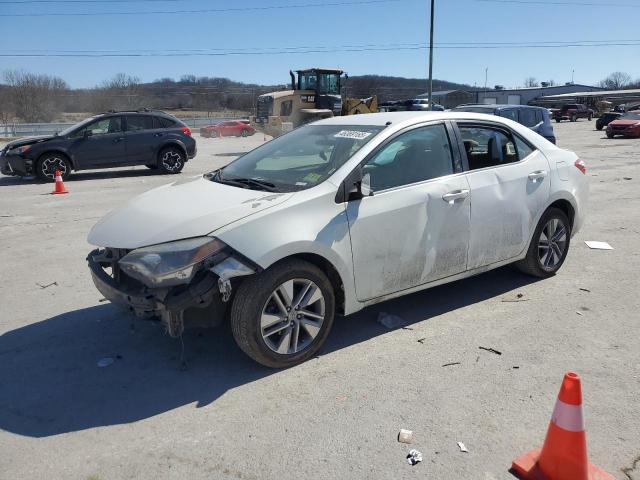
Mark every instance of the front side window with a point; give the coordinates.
(416, 156)
(308, 81)
(300, 159)
(102, 127)
(139, 122)
(329, 83)
(510, 114)
(487, 147)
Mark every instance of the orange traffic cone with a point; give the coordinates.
(60, 188)
(564, 453)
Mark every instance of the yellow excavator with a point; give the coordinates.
(314, 94)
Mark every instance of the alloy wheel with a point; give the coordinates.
(552, 243)
(292, 316)
(51, 164)
(172, 161)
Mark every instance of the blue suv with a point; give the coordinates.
(536, 118)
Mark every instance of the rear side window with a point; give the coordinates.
(161, 122)
(139, 122)
(487, 147)
(524, 149)
(528, 117)
(539, 116)
(510, 114)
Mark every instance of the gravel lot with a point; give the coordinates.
(336, 416)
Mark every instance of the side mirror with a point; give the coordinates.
(355, 187)
(87, 133)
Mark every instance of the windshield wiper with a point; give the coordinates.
(244, 182)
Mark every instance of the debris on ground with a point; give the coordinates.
(421, 340)
(47, 285)
(414, 457)
(515, 367)
(598, 245)
(452, 363)
(628, 178)
(579, 312)
(405, 436)
(462, 447)
(585, 289)
(102, 300)
(492, 350)
(105, 362)
(520, 295)
(391, 321)
(519, 298)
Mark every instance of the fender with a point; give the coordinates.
(172, 142)
(61, 151)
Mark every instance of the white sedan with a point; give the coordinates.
(337, 215)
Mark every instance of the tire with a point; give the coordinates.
(171, 160)
(50, 162)
(590, 117)
(537, 262)
(598, 126)
(244, 132)
(574, 118)
(610, 135)
(256, 300)
(558, 120)
(213, 134)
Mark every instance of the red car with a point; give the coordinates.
(627, 125)
(231, 128)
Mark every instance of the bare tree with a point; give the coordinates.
(531, 82)
(616, 81)
(35, 97)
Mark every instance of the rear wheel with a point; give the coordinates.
(574, 118)
(282, 316)
(609, 135)
(598, 126)
(244, 132)
(558, 120)
(49, 163)
(549, 245)
(171, 160)
(590, 117)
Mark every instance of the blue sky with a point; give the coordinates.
(384, 25)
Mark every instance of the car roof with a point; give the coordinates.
(497, 106)
(393, 118)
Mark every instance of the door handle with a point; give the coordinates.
(538, 174)
(455, 195)
(159, 134)
(119, 139)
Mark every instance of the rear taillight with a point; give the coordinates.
(580, 165)
(186, 130)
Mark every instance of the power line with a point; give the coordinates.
(189, 53)
(201, 11)
(27, 2)
(560, 4)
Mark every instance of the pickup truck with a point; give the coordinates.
(573, 112)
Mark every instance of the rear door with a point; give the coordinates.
(103, 147)
(509, 182)
(142, 139)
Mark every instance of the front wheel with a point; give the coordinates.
(282, 316)
(598, 126)
(49, 163)
(590, 117)
(558, 120)
(171, 160)
(609, 135)
(549, 245)
(574, 118)
(244, 132)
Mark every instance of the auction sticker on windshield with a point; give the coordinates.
(352, 134)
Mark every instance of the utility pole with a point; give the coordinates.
(573, 72)
(431, 57)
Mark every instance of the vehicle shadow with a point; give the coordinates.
(50, 382)
(9, 181)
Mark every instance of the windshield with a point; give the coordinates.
(298, 160)
(631, 116)
(70, 129)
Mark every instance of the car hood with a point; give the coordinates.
(28, 141)
(624, 123)
(184, 209)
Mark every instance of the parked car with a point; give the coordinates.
(337, 215)
(114, 139)
(422, 105)
(536, 118)
(606, 118)
(232, 128)
(573, 112)
(628, 125)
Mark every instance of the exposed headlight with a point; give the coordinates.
(169, 264)
(19, 150)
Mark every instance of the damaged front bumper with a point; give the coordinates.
(15, 165)
(202, 302)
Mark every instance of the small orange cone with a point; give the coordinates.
(60, 188)
(564, 453)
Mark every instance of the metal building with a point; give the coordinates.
(524, 96)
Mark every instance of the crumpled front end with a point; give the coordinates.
(200, 301)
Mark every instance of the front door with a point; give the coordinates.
(415, 227)
(510, 184)
(99, 144)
